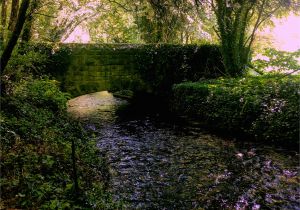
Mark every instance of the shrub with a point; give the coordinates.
(36, 153)
(264, 107)
(161, 66)
(44, 92)
(37, 138)
(24, 63)
(157, 66)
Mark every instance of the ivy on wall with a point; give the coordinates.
(151, 68)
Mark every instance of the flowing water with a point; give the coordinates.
(161, 163)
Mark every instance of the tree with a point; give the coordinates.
(3, 20)
(13, 14)
(56, 20)
(168, 21)
(27, 29)
(115, 25)
(164, 20)
(237, 24)
(15, 35)
(150, 21)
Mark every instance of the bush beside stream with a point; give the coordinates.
(36, 132)
(265, 107)
(36, 160)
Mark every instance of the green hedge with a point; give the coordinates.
(264, 107)
(157, 66)
(164, 65)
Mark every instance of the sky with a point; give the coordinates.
(79, 35)
(286, 33)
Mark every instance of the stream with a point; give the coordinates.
(159, 162)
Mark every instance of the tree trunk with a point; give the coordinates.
(187, 37)
(27, 33)
(3, 21)
(13, 14)
(15, 35)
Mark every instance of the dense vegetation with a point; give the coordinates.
(163, 65)
(265, 107)
(145, 21)
(47, 160)
(159, 66)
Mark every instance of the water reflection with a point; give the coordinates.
(159, 164)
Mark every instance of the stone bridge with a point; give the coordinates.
(97, 67)
(93, 68)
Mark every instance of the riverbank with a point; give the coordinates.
(47, 160)
(265, 108)
(157, 162)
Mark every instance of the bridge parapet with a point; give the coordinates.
(94, 68)
(152, 67)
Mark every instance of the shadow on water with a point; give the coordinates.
(160, 162)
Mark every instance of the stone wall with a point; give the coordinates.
(154, 68)
(96, 67)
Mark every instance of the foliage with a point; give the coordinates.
(264, 107)
(237, 24)
(25, 61)
(150, 21)
(143, 21)
(58, 60)
(115, 21)
(37, 156)
(161, 66)
(38, 59)
(36, 137)
(40, 92)
(55, 21)
(164, 21)
(155, 68)
(278, 61)
(114, 26)
(31, 62)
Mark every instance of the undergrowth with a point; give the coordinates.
(264, 107)
(40, 169)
